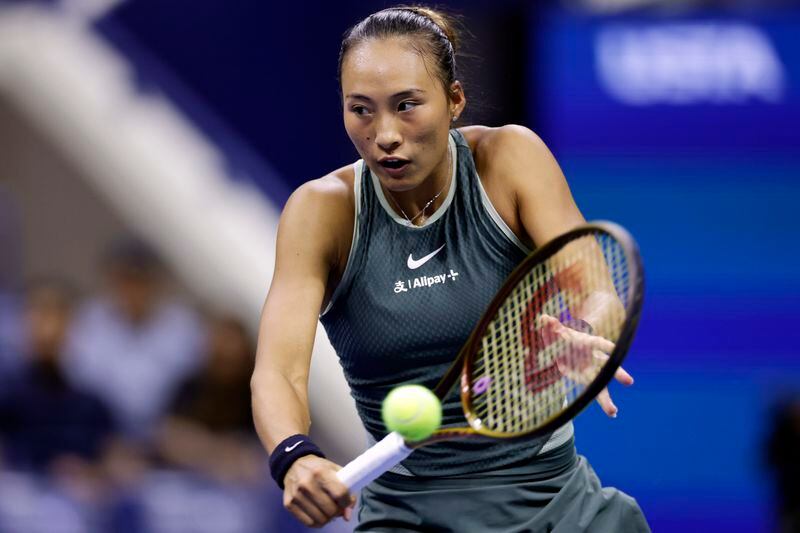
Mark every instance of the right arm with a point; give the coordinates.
(309, 248)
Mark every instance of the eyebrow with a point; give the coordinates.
(401, 94)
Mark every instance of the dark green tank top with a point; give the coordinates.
(408, 300)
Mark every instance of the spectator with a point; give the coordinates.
(46, 424)
(210, 427)
(133, 346)
(10, 320)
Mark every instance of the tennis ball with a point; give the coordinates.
(413, 411)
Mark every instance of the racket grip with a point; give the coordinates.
(375, 461)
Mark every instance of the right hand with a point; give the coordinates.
(582, 362)
(314, 494)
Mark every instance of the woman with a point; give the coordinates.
(466, 205)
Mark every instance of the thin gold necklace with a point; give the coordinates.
(435, 196)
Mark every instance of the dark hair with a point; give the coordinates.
(435, 32)
(132, 255)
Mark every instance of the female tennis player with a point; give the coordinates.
(400, 253)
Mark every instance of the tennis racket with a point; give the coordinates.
(548, 343)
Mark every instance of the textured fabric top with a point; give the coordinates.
(408, 300)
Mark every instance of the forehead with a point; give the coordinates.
(379, 66)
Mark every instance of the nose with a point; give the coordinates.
(387, 135)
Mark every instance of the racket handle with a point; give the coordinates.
(372, 463)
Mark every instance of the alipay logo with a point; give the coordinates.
(689, 63)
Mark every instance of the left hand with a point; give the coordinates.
(580, 363)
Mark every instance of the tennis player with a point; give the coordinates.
(400, 253)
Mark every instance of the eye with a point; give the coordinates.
(407, 106)
(359, 110)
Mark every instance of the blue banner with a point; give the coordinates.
(655, 85)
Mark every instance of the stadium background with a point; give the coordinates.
(676, 119)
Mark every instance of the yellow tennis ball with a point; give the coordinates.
(413, 411)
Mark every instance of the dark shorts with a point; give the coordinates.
(564, 496)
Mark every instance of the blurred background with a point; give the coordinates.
(147, 148)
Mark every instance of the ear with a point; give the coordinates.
(457, 98)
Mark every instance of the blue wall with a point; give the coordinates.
(709, 186)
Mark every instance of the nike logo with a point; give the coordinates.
(414, 264)
(293, 446)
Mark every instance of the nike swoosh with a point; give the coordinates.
(414, 264)
(293, 446)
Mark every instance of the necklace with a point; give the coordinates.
(435, 196)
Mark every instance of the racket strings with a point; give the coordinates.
(523, 374)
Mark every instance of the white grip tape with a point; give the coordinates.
(372, 463)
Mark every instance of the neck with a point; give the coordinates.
(419, 203)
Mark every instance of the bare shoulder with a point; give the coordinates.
(523, 181)
(493, 146)
(321, 213)
(474, 135)
(329, 194)
(322, 204)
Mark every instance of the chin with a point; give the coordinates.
(406, 183)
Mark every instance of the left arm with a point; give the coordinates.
(535, 186)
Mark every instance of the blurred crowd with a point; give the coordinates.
(783, 458)
(126, 410)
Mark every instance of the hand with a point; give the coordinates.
(314, 494)
(583, 360)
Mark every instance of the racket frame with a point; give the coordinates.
(540, 255)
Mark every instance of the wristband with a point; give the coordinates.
(287, 452)
(579, 324)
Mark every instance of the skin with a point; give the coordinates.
(394, 105)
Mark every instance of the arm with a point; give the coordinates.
(308, 246)
(542, 203)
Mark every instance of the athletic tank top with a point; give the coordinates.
(408, 300)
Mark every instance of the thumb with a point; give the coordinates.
(348, 511)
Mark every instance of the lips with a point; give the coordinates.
(394, 166)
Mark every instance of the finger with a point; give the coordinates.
(623, 377)
(348, 512)
(600, 360)
(337, 492)
(549, 329)
(604, 399)
(544, 319)
(325, 503)
(310, 508)
(293, 507)
(600, 343)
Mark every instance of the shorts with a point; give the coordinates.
(563, 496)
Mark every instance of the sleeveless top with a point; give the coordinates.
(408, 300)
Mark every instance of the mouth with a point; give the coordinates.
(394, 166)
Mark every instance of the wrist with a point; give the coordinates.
(287, 452)
(579, 324)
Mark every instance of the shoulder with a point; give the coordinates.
(320, 202)
(97, 313)
(493, 147)
(514, 158)
(332, 192)
(523, 181)
(321, 214)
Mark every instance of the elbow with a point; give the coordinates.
(267, 381)
(259, 383)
